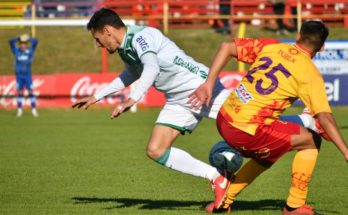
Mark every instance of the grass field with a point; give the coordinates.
(76, 162)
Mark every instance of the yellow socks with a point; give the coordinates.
(243, 178)
(302, 168)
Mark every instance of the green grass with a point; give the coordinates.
(72, 49)
(81, 162)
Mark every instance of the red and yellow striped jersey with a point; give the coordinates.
(280, 73)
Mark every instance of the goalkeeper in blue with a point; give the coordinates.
(152, 59)
(23, 49)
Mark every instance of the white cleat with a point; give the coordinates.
(34, 112)
(19, 113)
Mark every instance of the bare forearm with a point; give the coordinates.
(225, 52)
(328, 123)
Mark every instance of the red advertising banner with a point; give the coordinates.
(62, 90)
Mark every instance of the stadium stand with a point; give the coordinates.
(147, 11)
(64, 8)
(13, 9)
(180, 13)
(332, 12)
(198, 12)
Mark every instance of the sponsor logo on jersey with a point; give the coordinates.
(23, 58)
(142, 42)
(190, 66)
(243, 94)
(293, 51)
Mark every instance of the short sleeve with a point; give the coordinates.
(248, 49)
(313, 93)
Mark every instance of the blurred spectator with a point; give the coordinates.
(24, 54)
(279, 9)
(293, 8)
(222, 25)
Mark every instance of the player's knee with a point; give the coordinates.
(316, 138)
(153, 151)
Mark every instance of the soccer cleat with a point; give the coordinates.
(34, 112)
(220, 185)
(19, 113)
(210, 209)
(303, 210)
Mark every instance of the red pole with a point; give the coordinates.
(104, 61)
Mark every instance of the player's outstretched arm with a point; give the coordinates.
(328, 123)
(84, 102)
(203, 94)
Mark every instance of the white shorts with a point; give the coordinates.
(183, 118)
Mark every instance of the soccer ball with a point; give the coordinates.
(224, 157)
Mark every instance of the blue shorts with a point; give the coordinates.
(24, 80)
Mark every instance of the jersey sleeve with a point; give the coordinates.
(13, 45)
(34, 43)
(120, 82)
(313, 94)
(148, 76)
(248, 49)
(145, 42)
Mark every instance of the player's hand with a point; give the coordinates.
(84, 102)
(122, 107)
(202, 95)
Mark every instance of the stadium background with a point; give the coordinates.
(68, 162)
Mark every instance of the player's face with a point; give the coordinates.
(23, 46)
(106, 39)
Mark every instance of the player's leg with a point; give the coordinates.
(307, 143)
(267, 145)
(33, 104)
(160, 149)
(173, 120)
(249, 171)
(29, 83)
(19, 87)
(306, 120)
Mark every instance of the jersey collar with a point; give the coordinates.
(305, 50)
(124, 41)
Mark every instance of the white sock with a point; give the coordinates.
(184, 162)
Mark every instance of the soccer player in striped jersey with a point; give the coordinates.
(249, 119)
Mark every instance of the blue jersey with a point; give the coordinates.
(23, 59)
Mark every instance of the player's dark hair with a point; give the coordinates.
(102, 17)
(314, 34)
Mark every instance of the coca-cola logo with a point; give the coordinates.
(8, 92)
(85, 87)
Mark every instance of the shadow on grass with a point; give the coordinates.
(148, 204)
(344, 127)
